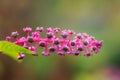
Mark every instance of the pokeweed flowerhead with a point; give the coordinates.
(57, 41)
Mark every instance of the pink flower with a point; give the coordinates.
(64, 34)
(49, 30)
(78, 36)
(85, 35)
(50, 35)
(30, 39)
(14, 34)
(27, 29)
(35, 34)
(32, 48)
(21, 41)
(71, 32)
(77, 53)
(52, 49)
(87, 53)
(45, 53)
(56, 30)
(65, 49)
(62, 53)
(21, 56)
(40, 29)
(80, 48)
(8, 38)
(95, 49)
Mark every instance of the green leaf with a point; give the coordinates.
(12, 50)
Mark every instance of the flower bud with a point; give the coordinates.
(40, 29)
(27, 29)
(14, 34)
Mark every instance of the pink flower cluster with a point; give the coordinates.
(57, 41)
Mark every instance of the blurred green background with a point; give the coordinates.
(100, 18)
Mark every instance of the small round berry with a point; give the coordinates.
(56, 42)
(61, 54)
(88, 54)
(80, 49)
(52, 49)
(79, 37)
(64, 36)
(42, 44)
(49, 36)
(72, 43)
(65, 49)
(56, 30)
(76, 53)
(93, 48)
(85, 43)
(30, 39)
